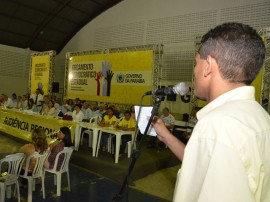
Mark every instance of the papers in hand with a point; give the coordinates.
(143, 119)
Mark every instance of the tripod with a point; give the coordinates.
(136, 152)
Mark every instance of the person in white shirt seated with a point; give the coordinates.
(77, 114)
(101, 110)
(45, 101)
(18, 103)
(8, 103)
(24, 101)
(86, 112)
(169, 122)
(167, 118)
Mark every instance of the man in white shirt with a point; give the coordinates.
(8, 103)
(86, 111)
(37, 97)
(227, 156)
(24, 105)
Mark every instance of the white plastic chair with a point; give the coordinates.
(94, 120)
(13, 163)
(37, 172)
(63, 158)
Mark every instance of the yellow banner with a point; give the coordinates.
(116, 77)
(21, 124)
(40, 73)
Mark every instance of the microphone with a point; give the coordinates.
(179, 89)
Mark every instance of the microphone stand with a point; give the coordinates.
(136, 152)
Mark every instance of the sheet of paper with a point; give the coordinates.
(143, 119)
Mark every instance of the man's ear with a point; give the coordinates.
(210, 61)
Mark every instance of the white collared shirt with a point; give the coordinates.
(227, 156)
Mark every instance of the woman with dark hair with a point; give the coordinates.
(63, 140)
(32, 106)
(77, 114)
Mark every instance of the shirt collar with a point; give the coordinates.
(240, 93)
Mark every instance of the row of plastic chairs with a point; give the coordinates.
(13, 164)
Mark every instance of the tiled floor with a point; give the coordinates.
(85, 187)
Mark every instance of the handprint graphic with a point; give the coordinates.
(97, 78)
(108, 75)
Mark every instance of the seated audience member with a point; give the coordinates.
(169, 121)
(14, 99)
(2, 99)
(108, 120)
(66, 107)
(71, 103)
(45, 101)
(192, 121)
(32, 106)
(93, 109)
(18, 103)
(24, 102)
(7, 101)
(49, 110)
(86, 111)
(167, 118)
(132, 111)
(75, 102)
(77, 114)
(184, 136)
(63, 140)
(39, 144)
(116, 111)
(101, 110)
(126, 124)
(57, 102)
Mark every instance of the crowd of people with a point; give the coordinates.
(226, 158)
(50, 105)
(81, 110)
